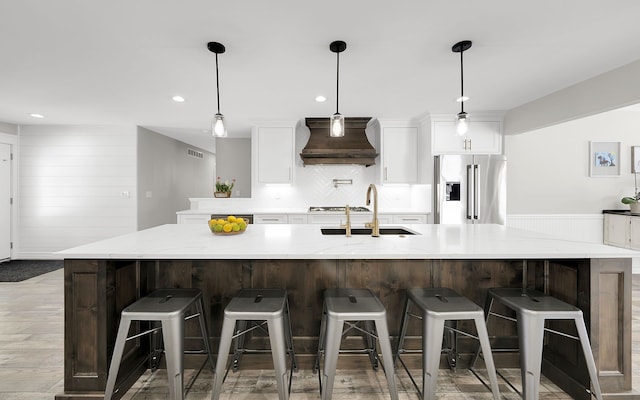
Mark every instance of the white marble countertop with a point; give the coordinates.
(305, 241)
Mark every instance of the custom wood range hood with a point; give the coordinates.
(352, 148)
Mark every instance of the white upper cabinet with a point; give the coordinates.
(274, 148)
(484, 136)
(399, 153)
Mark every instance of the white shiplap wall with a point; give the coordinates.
(73, 186)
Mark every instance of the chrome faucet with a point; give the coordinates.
(347, 226)
(374, 225)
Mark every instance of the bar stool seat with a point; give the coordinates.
(360, 305)
(168, 306)
(532, 309)
(438, 305)
(270, 307)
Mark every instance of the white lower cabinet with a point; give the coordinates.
(622, 231)
(270, 219)
(194, 218)
(410, 219)
(297, 218)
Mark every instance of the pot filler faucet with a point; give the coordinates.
(374, 225)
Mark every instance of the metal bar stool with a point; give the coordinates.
(341, 306)
(438, 305)
(259, 306)
(532, 309)
(168, 306)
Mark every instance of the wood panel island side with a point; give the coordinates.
(104, 277)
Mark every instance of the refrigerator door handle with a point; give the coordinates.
(470, 191)
(476, 191)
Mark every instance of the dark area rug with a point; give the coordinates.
(20, 270)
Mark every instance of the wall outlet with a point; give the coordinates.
(125, 195)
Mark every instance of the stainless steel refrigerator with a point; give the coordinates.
(470, 189)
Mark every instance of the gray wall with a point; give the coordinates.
(548, 169)
(609, 91)
(8, 128)
(168, 176)
(233, 160)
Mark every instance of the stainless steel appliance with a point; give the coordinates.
(470, 189)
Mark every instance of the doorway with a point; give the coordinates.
(5, 201)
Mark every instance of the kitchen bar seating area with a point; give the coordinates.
(470, 259)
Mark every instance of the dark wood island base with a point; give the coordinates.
(97, 290)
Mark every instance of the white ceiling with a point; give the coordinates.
(121, 61)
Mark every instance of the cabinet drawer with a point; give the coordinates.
(193, 219)
(409, 219)
(297, 218)
(270, 219)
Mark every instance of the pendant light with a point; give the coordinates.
(462, 119)
(336, 126)
(218, 128)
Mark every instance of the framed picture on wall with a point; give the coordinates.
(604, 159)
(635, 159)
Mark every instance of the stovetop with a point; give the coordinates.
(337, 209)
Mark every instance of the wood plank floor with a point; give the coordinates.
(31, 360)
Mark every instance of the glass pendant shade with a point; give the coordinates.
(218, 129)
(337, 125)
(462, 123)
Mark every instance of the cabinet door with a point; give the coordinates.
(275, 154)
(634, 232)
(616, 230)
(445, 140)
(297, 218)
(194, 218)
(399, 155)
(484, 137)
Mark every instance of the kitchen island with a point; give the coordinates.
(104, 277)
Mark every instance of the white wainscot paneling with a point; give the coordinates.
(580, 227)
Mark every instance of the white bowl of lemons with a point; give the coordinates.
(230, 226)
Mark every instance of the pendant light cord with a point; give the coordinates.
(217, 84)
(461, 83)
(337, 80)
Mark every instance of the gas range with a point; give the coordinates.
(337, 209)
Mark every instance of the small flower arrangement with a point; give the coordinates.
(224, 187)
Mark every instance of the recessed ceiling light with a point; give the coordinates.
(321, 99)
(34, 115)
(461, 99)
(178, 99)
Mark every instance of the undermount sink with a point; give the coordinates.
(367, 231)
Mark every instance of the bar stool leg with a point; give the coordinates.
(370, 339)
(173, 330)
(238, 344)
(121, 340)
(228, 326)
(403, 330)
(432, 331)
(588, 355)
(483, 337)
(321, 340)
(385, 348)
(289, 337)
(204, 331)
(278, 351)
(531, 337)
(333, 338)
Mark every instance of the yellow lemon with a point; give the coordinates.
(235, 227)
(231, 218)
(239, 219)
(212, 222)
(227, 228)
(222, 221)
